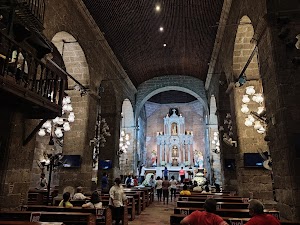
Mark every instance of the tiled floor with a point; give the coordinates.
(155, 214)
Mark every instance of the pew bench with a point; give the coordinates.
(68, 218)
(103, 216)
(234, 213)
(220, 205)
(217, 199)
(176, 218)
(130, 205)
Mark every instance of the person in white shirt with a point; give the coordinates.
(142, 174)
(95, 201)
(159, 188)
(78, 195)
(116, 200)
(173, 183)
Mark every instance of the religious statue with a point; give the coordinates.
(174, 129)
(198, 159)
(153, 157)
(175, 151)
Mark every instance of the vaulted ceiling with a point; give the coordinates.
(133, 30)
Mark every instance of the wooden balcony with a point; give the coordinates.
(27, 84)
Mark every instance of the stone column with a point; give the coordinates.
(76, 142)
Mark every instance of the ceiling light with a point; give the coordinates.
(157, 8)
(165, 45)
(161, 29)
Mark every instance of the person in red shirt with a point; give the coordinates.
(206, 217)
(256, 211)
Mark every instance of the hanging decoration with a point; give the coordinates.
(59, 125)
(102, 131)
(252, 99)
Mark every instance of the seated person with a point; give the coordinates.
(256, 211)
(185, 191)
(196, 187)
(206, 188)
(66, 201)
(205, 217)
(78, 195)
(95, 201)
(218, 189)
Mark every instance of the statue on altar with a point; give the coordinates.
(153, 157)
(198, 159)
(174, 129)
(174, 143)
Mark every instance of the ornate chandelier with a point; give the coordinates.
(124, 139)
(253, 98)
(59, 125)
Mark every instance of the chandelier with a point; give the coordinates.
(124, 139)
(216, 143)
(59, 125)
(124, 142)
(254, 117)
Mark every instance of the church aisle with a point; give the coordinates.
(157, 213)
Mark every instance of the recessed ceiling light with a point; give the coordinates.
(157, 8)
(161, 29)
(165, 44)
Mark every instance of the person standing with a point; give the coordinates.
(166, 173)
(165, 189)
(159, 188)
(173, 183)
(207, 217)
(142, 173)
(182, 175)
(116, 200)
(256, 211)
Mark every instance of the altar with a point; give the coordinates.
(175, 143)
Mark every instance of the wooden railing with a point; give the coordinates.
(37, 8)
(19, 67)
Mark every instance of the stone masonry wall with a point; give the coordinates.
(278, 69)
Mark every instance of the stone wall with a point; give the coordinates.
(277, 68)
(17, 160)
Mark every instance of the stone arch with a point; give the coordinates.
(73, 57)
(127, 126)
(190, 85)
(243, 48)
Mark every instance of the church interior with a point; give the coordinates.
(117, 87)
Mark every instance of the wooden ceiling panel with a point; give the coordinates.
(131, 28)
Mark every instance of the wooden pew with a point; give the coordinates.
(176, 218)
(220, 205)
(234, 213)
(217, 199)
(137, 198)
(146, 196)
(103, 216)
(130, 205)
(68, 218)
(142, 196)
(209, 196)
(27, 223)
